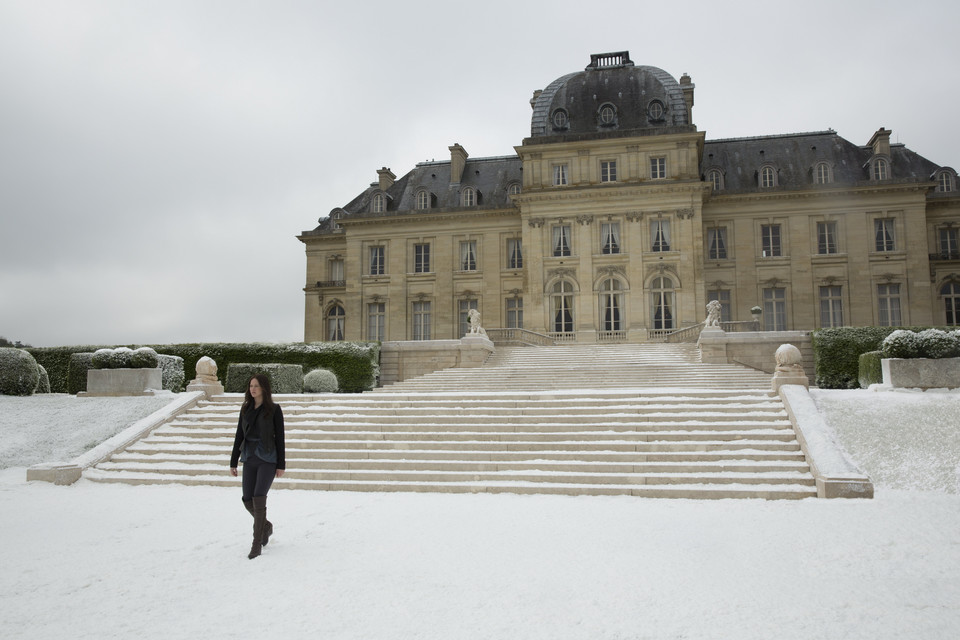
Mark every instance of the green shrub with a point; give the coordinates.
(143, 358)
(320, 381)
(284, 378)
(870, 370)
(80, 363)
(171, 368)
(19, 373)
(356, 364)
(902, 343)
(935, 343)
(43, 386)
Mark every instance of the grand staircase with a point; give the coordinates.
(643, 420)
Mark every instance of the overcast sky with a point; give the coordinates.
(158, 159)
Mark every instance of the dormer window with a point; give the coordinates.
(655, 111)
(944, 182)
(822, 173)
(379, 203)
(607, 115)
(881, 170)
(513, 189)
(768, 177)
(468, 197)
(335, 217)
(715, 178)
(560, 120)
(423, 199)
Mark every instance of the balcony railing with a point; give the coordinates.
(947, 255)
(331, 283)
(563, 336)
(611, 336)
(512, 336)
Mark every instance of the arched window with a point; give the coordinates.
(880, 171)
(561, 307)
(607, 116)
(468, 197)
(944, 182)
(513, 189)
(423, 199)
(662, 298)
(768, 177)
(655, 110)
(335, 321)
(611, 305)
(715, 178)
(379, 203)
(821, 173)
(560, 120)
(950, 293)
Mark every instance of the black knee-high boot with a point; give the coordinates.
(268, 527)
(259, 525)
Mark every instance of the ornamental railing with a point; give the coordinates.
(611, 336)
(945, 255)
(513, 336)
(331, 283)
(561, 337)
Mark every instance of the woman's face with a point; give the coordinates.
(255, 390)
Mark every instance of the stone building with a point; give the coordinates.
(617, 220)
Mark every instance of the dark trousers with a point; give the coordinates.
(257, 477)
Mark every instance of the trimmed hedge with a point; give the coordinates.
(870, 370)
(80, 363)
(320, 381)
(284, 378)
(356, 364)
(44, 385)
(837, 353)
(171, 370)
(19, 373)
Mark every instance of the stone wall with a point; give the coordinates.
(755, 349)
(401, 360)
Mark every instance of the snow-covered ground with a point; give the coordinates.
(110, 561)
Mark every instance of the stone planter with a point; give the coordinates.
(921, 373)
(123, 382)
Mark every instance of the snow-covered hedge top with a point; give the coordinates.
(929, 343)
(125, 358)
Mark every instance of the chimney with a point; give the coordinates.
(458, 160)
(687, 86)
(533, 100)
(386, 178)
(880, 142)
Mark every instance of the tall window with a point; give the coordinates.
(468, 255)
(421, 321)
(335, 317)
(768, 177)
(423, 199)
(377, 263)
(831, 307)
(775, 309)
(717, 243)
(610, 237)
(378, 203)
(883, 230)
(514, 253)
(561, 240)
(715, 179)
(944, 181)
(608, 171)
(468, 197)
(463, 310)
(888, 305)
(723, 297)
(559, 175)
(611, 305)
(376, 320)
(658, 168)
(336, 270)
(770, 240)
(662, 293)
(660, 235)
(948, 244)
(561, 302)
(951, 301)
(421, 258)
(821, 173)
(880, 169)
(826, 237)
(514, 307)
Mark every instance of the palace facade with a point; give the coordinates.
(617, 220)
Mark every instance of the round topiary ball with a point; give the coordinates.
(43, 386)
(901, 344)
(101, 359)
(19, 372)
(935, 343)
(143, 358)
(320, 381)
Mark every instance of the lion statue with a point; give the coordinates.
(713, 313)
(473, 317)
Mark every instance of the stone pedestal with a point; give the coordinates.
(123, 382)
(921, 373)
(789, 368)
(713, 345)
(55, 472)
(206, 380)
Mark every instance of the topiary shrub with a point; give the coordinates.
(320, 381)
(871, 372)
(19, 373)
(901, 344)
(935, 343)
(284, 378)
(171, 369)
(80, 363)
(143, 358)
(43, 386)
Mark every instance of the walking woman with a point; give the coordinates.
(259, 445)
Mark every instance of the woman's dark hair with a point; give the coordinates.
(265, 393)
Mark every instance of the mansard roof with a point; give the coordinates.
(794, 157)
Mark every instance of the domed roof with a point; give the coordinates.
(610, 95)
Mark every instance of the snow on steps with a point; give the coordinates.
(713, 436)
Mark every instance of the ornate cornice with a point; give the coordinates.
(610, 270)
(685, 214)
(584, 219)
(536, 223)
(634, 216)
(561, 272)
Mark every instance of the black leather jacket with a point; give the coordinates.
(264, 426)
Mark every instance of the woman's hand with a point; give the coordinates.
(233, 471)
(280, 473)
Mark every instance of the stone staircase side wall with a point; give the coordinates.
(402, 360)
(755, 349)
